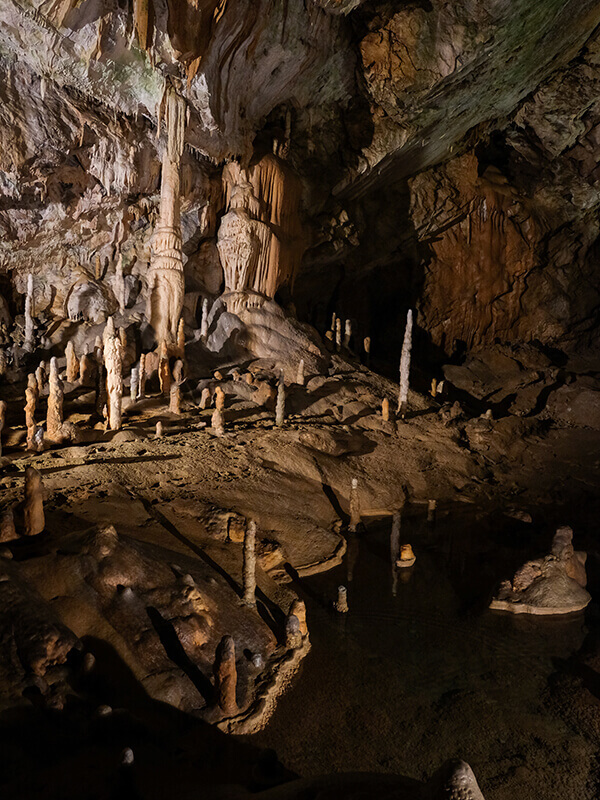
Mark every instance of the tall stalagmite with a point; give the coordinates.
(113, 361)
(166, 282)
(54, 414)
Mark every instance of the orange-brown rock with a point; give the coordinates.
(225, 672)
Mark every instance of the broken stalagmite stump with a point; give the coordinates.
(225, 673)
(341, 604)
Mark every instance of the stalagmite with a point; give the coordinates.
(406, 557)
(219, 398)
(205, 398)
(204, 322)
(178, 371)
(143, 376)
(333, 321)
(225, 673)
(300, 373)
(113, 361)
(181, 338)
(175, 399)
(405, 365)
(166, 283)
(98, 348)
(159, 430)
(367, 349)
(431, 509)
(2, 362)
(385, 409)
(280, 403)
(433, 390)
(293, 636)
(32, 384)
(98, 268)
(298, 609)
(86, 370)
(72, 363)
(34, 521)
(218, 422)
(40, 376)
(164, 373)
(338, 335)
(249, 570)
(31, 396)
(347, 333)
(29, 329)
(341, 604)
(354, 507)
(2, 420)
(134, 384)
(54, 415)
(395, 535)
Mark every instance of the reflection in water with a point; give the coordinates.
(420, 671)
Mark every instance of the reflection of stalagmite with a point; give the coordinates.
(54, 415)
(113, 362)
(225, 673)
(166, 283)
(354, 506)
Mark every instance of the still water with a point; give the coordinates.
(420, 670)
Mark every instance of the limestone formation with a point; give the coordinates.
(300, 373)
(204, 321)
(293, 635)
(31, 398)
(2, 362)
(405, 365)
(164, 371)
(225, 673)
(355, 516)
(34, 520)
(54, 414)
(249, 570)
(298, 609)
(550, 585)
(134, 384)
(2, 420)
(86, 370)
(175, 398)
(219, 398)
(166, 282)
(406, 557)
(72, 363)
(218, 422)
(178, 371)
(341, 604)
(119, 283)
(280, 403)
(338, 334)
(113, 361)
(205, 398)
(181, 338)
(347, 333)
(159, 430)
(385, 409)
(367, 350)
(143, 376)
(29, 327)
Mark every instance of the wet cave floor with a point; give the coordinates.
(420, 670)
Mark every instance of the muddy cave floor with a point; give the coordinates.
(177, 492)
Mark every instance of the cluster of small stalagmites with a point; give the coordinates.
(28, 517)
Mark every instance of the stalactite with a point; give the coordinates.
(405, 365)
(29, 328)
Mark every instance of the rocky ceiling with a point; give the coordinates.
(447, 151)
